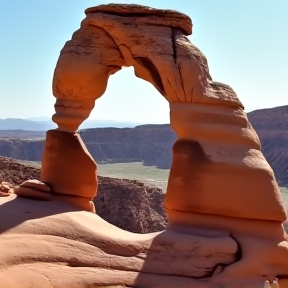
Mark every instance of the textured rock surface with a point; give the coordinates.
(75, 159)
(59, 233)
(219, 148)
(225, 212)
(34, 189)
(130, 205)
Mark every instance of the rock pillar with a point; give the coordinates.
(78, 81)
(219, 179)
(218, 167)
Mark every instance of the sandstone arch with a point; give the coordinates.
(220, 186)
(158, 51)
(207, 113)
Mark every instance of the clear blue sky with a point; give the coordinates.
(245, 41)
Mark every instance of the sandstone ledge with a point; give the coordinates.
(177, 19)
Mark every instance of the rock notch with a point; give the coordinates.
(225, 211)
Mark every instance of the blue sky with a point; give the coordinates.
(245, 42)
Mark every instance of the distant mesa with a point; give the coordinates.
(44, 124)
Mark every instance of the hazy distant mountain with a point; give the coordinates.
(40, 118)
(45, 123)
(107, 123)
(25, 124)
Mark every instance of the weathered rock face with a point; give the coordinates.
(223, 203)
(218, 153)
(81, 179)
(102, 255)
(130, 205)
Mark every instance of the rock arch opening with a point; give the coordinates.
(130, 101)
(137, 140)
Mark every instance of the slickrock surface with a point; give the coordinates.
(89, 258)
(81, 179)
(225, 211)
(135, 203)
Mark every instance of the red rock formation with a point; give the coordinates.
(223, 203)
(75, 174)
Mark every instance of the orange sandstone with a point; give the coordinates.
(223, 203)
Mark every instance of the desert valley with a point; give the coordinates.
(148, 144)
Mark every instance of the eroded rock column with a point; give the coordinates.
(218, 167)
(80, 78)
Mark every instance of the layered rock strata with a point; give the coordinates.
(225, 211)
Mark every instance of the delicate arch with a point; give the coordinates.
(216, 147)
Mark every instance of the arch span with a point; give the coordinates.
(153, 41)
